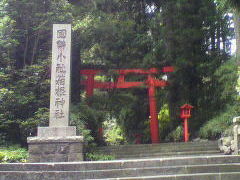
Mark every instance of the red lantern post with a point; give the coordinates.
(185, 115)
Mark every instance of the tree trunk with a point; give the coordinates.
(25, 51)
(35, 47)
(237, 32)
(218, 38)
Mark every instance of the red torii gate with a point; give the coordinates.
(151, 83)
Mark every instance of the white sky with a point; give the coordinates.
(233, 47)
(233, 41)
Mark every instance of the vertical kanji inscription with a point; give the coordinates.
(60, 76)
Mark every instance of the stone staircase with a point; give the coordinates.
(160, 150)
(214, 167)
(171, 161)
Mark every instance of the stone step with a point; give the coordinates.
(176, 147)
(122, 164)
(161, 145)
(139, 151)
(177, 168)
(172, 154)
(122, 151)
(160, 150)
(201, 176)
(130, 172)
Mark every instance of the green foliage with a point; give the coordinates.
(32, 26)
(98, 157)
(193, 45)
(226, 77)
(214, 128)
(7, 42)
(25, 31)
(24, 100)
(176, 135)
(80, 119)
(3, 139)
(164, 120)
(114, 34)
(39, 118)
(113, 133)
(1, 156)
(13, 154)
(88, 118)
(130, 111)
(164, 124)
(229, 4)
(146, 132)
(110, 36)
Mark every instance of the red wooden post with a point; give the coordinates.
(186, 134)
(100, 133)
(185, 115)
(90, 85)
(154, 127)
(121, 79)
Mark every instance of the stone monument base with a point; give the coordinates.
(55, 149)
(64, 131)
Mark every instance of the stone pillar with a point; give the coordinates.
(236, 134)
(58, 142)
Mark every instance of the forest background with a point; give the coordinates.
(194, 36)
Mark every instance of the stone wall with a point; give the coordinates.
(230, 141)
(236, 134)
(56, 149)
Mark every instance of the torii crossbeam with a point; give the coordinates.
(151, 83)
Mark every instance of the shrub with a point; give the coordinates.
(216, 126)
(227, 104)
(29, 126)
(13, 154)
(80, 119)
(164, 120)
(1, 156)
(98, 157)
(176, 135)
(3, 140)
(23, 98)
(113, 133)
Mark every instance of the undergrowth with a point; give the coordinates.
(13, 154)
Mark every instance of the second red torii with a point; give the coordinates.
(151, 82)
